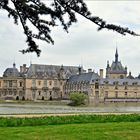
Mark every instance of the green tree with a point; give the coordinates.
(78, 98)
(43, 17)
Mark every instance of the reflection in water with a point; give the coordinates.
(10, 108)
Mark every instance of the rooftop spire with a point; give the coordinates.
(14, 65)
(107, 64)
(116, 55)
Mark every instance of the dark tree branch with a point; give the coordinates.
(33, 10)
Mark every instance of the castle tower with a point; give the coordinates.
(116, 70)
(116, 56)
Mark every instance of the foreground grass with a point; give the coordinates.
(88, 131)
(77, 119)
(78, 127)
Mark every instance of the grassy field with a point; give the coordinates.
(88, 131)
(83, 127)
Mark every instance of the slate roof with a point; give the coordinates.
(120, 81)
(11, 72)
(83, 77)
(117, 67)
(51, 71)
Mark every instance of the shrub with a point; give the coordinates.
(77, 98)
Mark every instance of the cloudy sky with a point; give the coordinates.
(83, 45)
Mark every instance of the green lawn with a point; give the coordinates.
(83, 131)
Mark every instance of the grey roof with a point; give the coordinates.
(83, 77)
(53, 71)
(130, 76)
(138, 76)
(120, 81)
(11, 72)
(117, 67)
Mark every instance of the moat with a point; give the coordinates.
(30, 108)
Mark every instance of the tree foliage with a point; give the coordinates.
(77, 98)
(44, 17)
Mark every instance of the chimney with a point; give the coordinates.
(24, 67)
(89, 70)
(21, 70)
(80, 70)
(101, 73)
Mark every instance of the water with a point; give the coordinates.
(15, 108)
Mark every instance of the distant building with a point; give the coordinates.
(52, 82)
(38, 82)
(116, 70)
(115, 87)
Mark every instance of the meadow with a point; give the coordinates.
(78, 127)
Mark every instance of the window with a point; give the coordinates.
(106, 94)
(10, 83)
(116, 94)
(106, 82)
(134, 84)
(96, 86)
(97, 94)
(15, 92)
(135, 94)
(125, 94)
(116, 84)
(20, 93)
(10, 92)
(39, 92)
(121, 76)
(45, 83)
(50, 83)
(33, 83)
(125, 87)
(61, 83)
(20, 84)
(39, 83)
(55, 82)
(116, 87)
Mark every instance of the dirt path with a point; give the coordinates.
(70, 114)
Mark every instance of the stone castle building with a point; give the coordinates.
(52, 82)
(37, 82)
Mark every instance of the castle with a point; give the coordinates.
(52, 82)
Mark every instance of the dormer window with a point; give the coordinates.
(106, 82)
(115, 83)
(135, 83)
(96, 85)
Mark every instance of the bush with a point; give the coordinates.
(72, 119)
(78, 98)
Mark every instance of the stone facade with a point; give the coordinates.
(51, 82)
(116, 86)
(37, 82)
